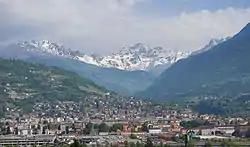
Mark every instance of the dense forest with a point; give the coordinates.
(239, 106)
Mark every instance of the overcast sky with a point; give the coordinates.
(102, 26)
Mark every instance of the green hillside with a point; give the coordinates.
(213, 82)
(222, 72)
(22, 84)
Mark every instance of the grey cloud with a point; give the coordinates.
(104, 26)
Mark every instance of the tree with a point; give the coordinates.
(248, 133)
(2, 109)
(132, 144)
(149, 143)
(174, 138)
(114, 145)
(193, 123)
(59, 127)
(144, 127)
(43, 131)
(38, 127)
(161, 145)
(138, 144)
(116, 127)
(8, 130)
(126, 144)
(103, 127)
(208, 144)
(77, 144)
(227, 144)
(88, 128)
(133, 136)
(3, 129)
(191, 143)
(83, 108)
(67, 129)
(166, 145)
(16, 131)
(45, 122)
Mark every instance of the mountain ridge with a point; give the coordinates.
(212, 43)
(199, 74)
(125, 82)
(135, 57)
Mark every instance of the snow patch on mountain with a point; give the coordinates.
(212, 43)
(138, 57)
(46, 47)
(135, 57)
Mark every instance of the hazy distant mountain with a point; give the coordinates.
(222, 70)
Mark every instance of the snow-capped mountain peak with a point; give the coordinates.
(212, 43)
(139, 57)
(49, 48)
(135, 57)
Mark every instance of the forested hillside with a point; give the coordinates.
(223, 71)
(23, 84)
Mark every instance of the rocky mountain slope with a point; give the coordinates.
(221, 71)
(136, 57)
(48, 48)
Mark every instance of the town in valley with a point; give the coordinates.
(107, 121)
